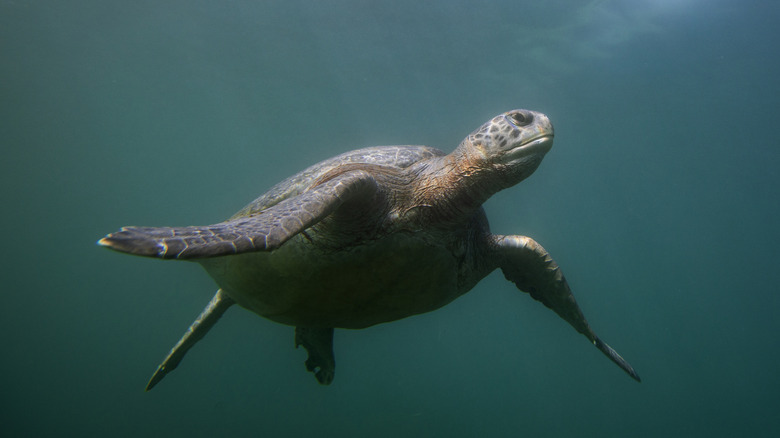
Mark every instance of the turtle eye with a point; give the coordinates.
(521, 119)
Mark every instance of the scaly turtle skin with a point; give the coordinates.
(370, 236)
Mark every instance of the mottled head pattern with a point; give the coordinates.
(512, 144)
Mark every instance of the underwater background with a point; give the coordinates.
(659, 199)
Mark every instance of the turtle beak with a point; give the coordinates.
(536, 146)
(542, 143)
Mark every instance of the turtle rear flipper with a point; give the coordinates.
(210, 315)
(318, 342)
(528, 265)
(262, 231)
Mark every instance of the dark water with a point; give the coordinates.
(659, 200)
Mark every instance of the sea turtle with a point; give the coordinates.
(370, 236)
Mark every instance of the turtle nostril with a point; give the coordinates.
(522, 119)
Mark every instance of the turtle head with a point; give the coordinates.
(509, 147)
(501, 153)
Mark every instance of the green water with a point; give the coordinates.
(659, 200)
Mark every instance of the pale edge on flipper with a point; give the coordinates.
(618, 359)
(210, 315)
(528, 265)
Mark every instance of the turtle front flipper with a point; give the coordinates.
(261, 231)
(318, 342)
(530, 267)
(210, 315)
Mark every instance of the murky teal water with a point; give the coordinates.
(659, 200)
